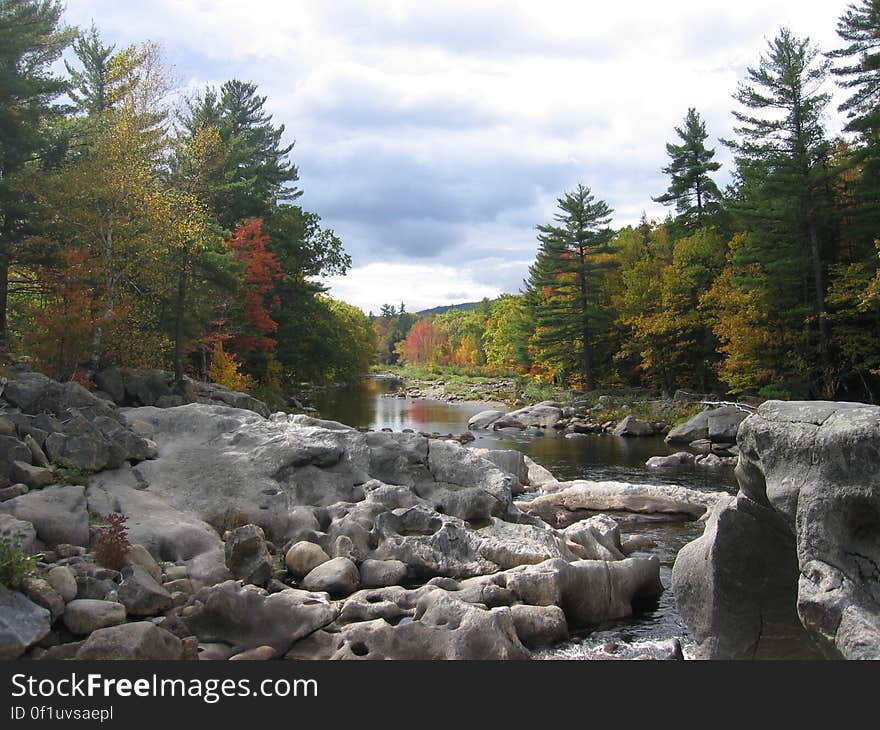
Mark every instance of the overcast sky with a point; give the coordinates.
(434, 136)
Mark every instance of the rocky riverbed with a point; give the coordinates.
(258, 536)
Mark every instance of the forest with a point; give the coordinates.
(770, 287)
(145, 228)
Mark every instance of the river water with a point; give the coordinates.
(596, 457)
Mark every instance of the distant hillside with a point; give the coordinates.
(442, 310)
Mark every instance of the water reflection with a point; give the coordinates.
(598, 457)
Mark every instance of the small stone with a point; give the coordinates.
(175, 572)
(303, 557)
(338, 577)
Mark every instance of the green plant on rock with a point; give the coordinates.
(15, 566)
(69, 476)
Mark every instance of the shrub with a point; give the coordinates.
(15, 566)
(112, 545)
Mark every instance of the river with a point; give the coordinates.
(597, 457)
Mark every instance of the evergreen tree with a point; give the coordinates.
(31, 40)
(694, 193)
(565, 284)
(255, 173)
(859, 27)
(782, 198)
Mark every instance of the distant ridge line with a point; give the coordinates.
(445, 308)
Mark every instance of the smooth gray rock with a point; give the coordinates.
(83, 615)
(736, 585)
(247, 556)
(484, 419)
(679, 458)
(542, 415)
(581, 499)
(57, 513)
(694, 429)
(381, 573)
(337, 576)
(141, 641)
(62, 579)
(247, 618)
(539, 626)
(22, 623)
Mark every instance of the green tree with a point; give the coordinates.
(565, 284)
(782, 160)
(691, 189)
(31, 40)
(255, 173)
(507, 334)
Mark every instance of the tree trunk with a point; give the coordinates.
(819, 296)
(4, 285)
(179, 312)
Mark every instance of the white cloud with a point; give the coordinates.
(441, 131)
(418, 286)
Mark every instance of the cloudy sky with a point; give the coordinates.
(434, 136)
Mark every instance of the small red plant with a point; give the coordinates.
(112, 545)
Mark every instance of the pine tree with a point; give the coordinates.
(783, 172)
(255, 173)
(564, 284)
(31, 40)
(694, 193)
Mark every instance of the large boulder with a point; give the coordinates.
(34, 393)
(694, 429)
(247, 618)
(140, 641)
(58, 514)
(19, 533)
(484, 419)
(541, 415)
(631, 426)
(22, 623)
(804, 524)
(581, 499)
